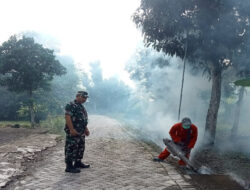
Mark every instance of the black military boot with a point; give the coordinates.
(79, 164)
(71, 169)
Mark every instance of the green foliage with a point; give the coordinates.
(9, 104)
(23, 111)
(55, 124)
(21, 123)
(41, 111)
(26, 65)
(144, 63)
(63, 88)
(211, 34)
(243, 82)
(106, 95)
(211, 28)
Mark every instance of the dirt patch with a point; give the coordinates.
(221, 179)
(215, 182)
(234, 164)
(224, 163)
(31, 165)
(9, 134)
(18, 147)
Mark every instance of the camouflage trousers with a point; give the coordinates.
(74, 148)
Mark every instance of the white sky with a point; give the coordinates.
(87, 30)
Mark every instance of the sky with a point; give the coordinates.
(86, 30)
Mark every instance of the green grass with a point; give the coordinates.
(55, 124)
(22, 123)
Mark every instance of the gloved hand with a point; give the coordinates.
(180, 143)
(166, 141)
(186, 149)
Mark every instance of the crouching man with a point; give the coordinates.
(183, 134)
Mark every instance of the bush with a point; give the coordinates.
(55, 124)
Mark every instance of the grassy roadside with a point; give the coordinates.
(53, 124)
(25, 124)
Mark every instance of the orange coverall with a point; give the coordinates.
(179, 134)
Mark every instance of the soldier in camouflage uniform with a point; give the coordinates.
(76, 128)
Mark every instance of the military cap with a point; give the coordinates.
(84, 94)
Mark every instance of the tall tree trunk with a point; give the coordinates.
(31, 110)
(234, 130)
(211, 120)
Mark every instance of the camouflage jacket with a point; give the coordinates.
(79, 116)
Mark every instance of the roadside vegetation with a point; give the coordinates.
(210, 38)
(54, 124)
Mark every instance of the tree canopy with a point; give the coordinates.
(26, 65)
(107, 96)
(212, 29)
(207, 33)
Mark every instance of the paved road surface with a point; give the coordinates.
(117, 161)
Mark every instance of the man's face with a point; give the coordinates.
(81, 99)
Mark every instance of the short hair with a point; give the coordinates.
(83, 94)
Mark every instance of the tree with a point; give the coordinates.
(26, 66)
(207, 33)
(63, 88)
(157, 78)
(234, 131)
(9, 104)
(146, 69)
(106, 95)
(242, 83)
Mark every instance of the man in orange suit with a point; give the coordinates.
(183, 134)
